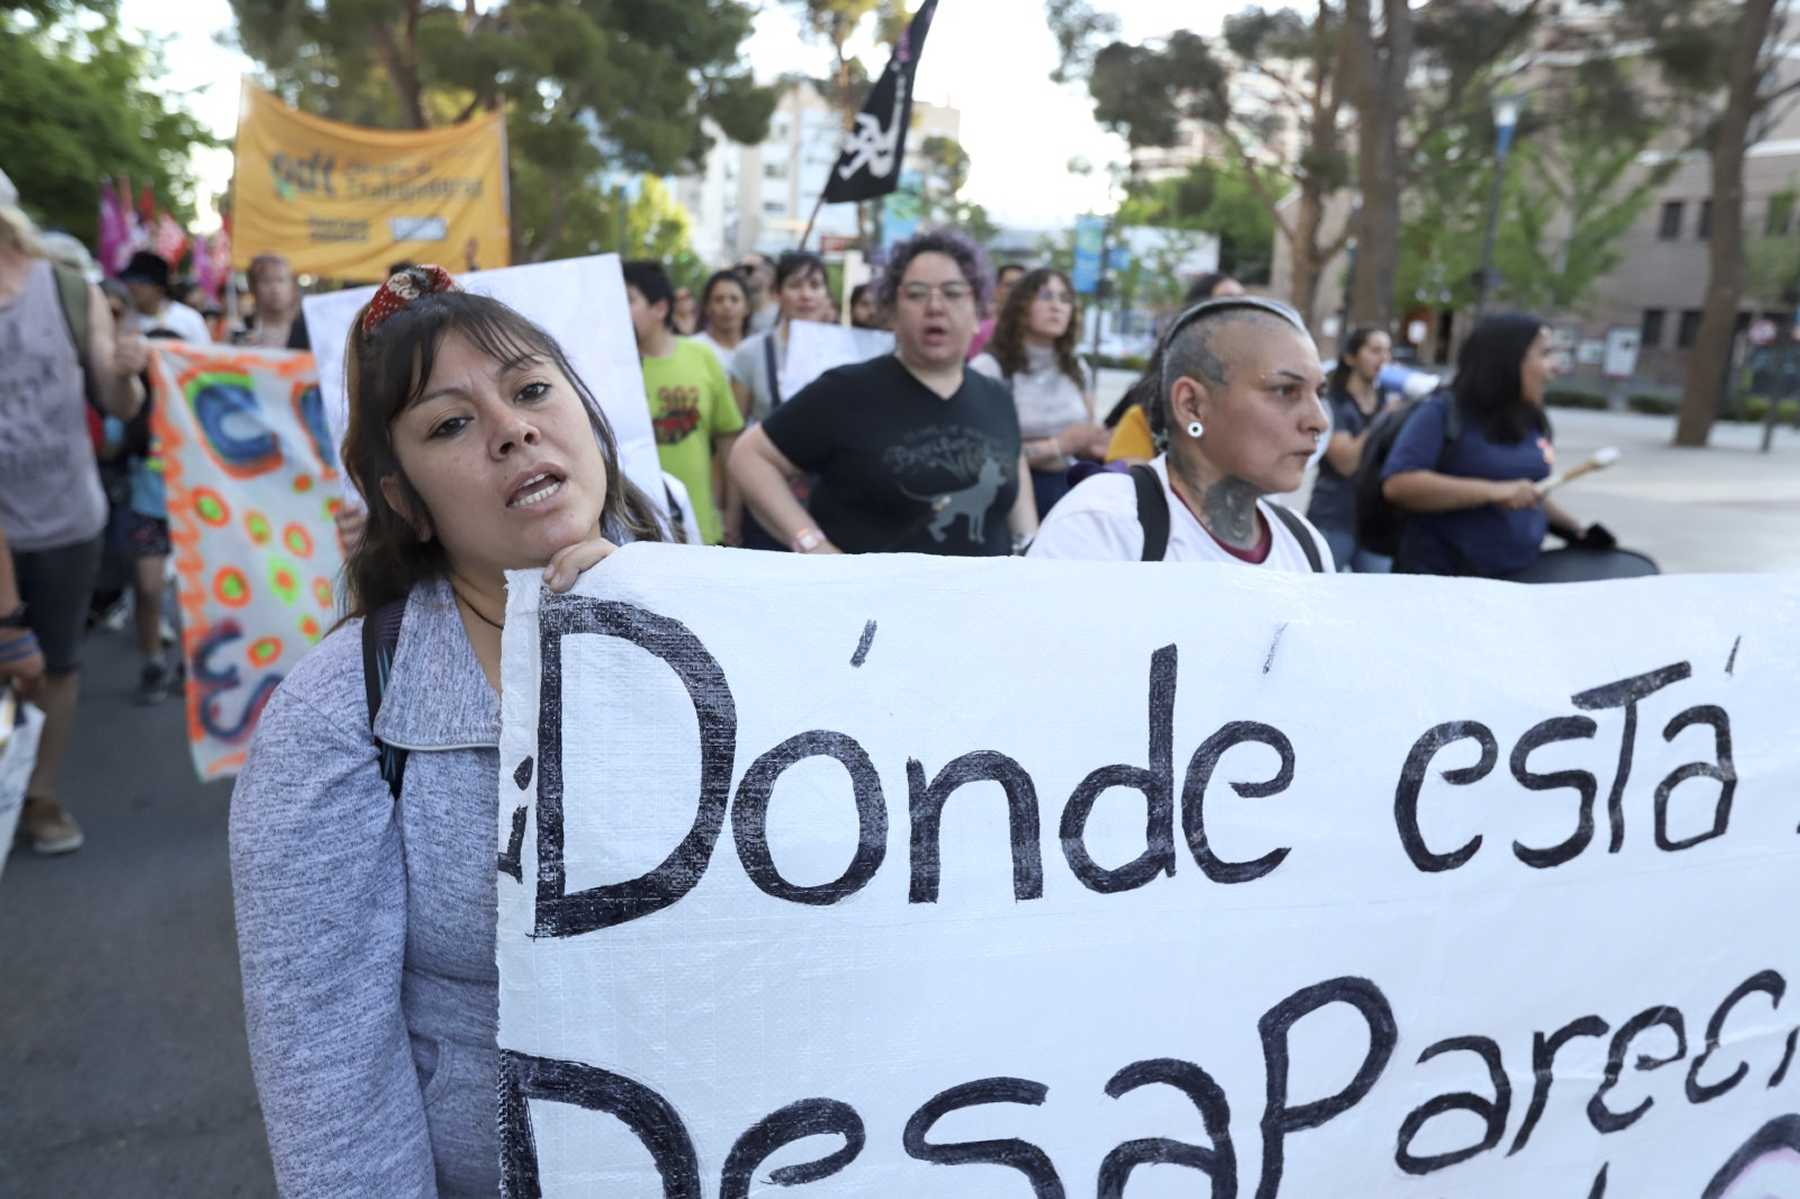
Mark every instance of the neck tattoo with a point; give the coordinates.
(1229, 509)
(479, 614)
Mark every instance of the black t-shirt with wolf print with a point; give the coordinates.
(899, 468)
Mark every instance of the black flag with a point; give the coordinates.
(870, 163)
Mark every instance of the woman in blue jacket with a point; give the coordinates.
(366, 919)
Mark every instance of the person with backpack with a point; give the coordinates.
(1464, 468)
(1355, 400)
(1033, 353)
(1238, 400)
(362, 826)
(59, 354)
(1129, 419)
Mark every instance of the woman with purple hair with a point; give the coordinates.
(910, 451)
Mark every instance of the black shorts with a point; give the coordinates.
(57, 586)
(146, 536)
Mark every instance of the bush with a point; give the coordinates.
(1568, 397)
(1756, 410)
(1653, 404)
(1131, 362)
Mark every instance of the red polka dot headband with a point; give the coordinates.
(403, 289)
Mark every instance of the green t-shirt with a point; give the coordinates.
(690, 405)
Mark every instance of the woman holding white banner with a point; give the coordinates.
(1033, 353)
(363, 867)
(911, 452)
(756, 365)
(1238, 396)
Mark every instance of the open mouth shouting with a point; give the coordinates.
(535, 487)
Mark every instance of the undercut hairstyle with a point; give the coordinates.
(794, 264)
(1193, 353)
(385, 372)
(1488, 390)
(1353, 345)
(724, 279)
(653, 283)
(948, 242)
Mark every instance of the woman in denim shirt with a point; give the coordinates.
(365, 923)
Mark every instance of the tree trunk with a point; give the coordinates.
(1308, 263)
(1711, 354)
(1377, 83)
(400, 60)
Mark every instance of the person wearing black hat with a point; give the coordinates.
(154, 304)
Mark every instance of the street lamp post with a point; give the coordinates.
(1506, 120)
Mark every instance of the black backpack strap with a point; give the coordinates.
(380, 638)
(774, 371)
(1153, 512)
(1309, 545)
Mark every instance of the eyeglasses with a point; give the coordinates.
(951, 293)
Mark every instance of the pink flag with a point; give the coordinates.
(115, 230)
(169, 239)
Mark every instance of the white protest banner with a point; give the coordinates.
(814, 348)
(905, 876)
(580, 301)
(21, 726)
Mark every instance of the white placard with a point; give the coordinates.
(1621, 353)
(814, 348)
(580, 301)
(21, 726)
(848, 847)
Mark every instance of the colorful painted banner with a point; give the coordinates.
(252, 478)
(344, 201)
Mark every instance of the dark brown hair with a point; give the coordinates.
(1014, 322)
(387, 370)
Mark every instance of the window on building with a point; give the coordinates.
(1689, 332)
(1705, 229)
(775, 170)
(1779, 221)
(1651, 335)
(774, 208)
(1670, 229)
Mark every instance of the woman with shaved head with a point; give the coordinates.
(1238, 397)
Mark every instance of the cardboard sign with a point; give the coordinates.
(344, 201)
(814, 348)
(843, 872)
(252, 485)
(578, 301)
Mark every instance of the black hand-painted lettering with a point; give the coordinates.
(561, 616)
(795, 1122)
(650, 1117)
(1603, 1118)
(1543, 1067)
(1767, 982)
(1014, 1154)
(1218, 1163)
(1412, 782)
(862, 646)
(1193, 797)
(1598, 1190)
(522, 774)
(1731, 662)
(1279, 1121)
(1582, 782)
(1781, 1133)
(1626, 693)
(1787, 1059)
(750, 816)
(1722, 771)
(1158, 785)
(515, 846)
(1493, 1112)
(926, 804)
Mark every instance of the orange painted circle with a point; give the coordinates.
(264, 651)
(210, 507)
(322, 593)
(303, 483)
(257, 525)
(310, 628)
(298, 541)
(231, 588)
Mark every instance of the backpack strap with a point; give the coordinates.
(72, 297)
(774, 371)
(380, 638)
(1153, 512)
(1309, 545)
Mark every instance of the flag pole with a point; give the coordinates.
(811, 220)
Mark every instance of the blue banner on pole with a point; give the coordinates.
(1090, 236)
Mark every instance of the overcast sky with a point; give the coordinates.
(991, 59)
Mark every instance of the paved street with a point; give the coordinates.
(122, 1062)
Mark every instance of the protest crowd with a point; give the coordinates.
(970, 424)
